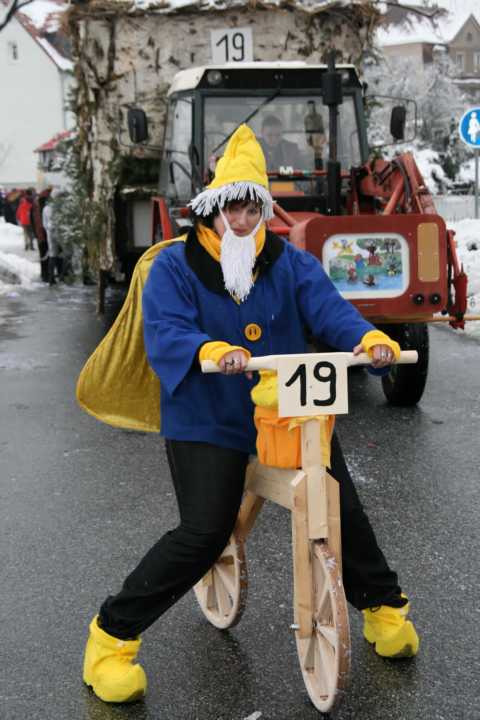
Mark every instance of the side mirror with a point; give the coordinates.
(137, 125)
(397, 122)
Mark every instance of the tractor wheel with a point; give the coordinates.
(404, 385)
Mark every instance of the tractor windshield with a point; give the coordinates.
(293, 131)
(176, 166)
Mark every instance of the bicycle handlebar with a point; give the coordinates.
(270, 362)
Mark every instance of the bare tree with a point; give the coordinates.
(4, 151)
(11, 10)
(428, 10)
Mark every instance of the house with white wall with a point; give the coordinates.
(35, 78)
(423, 34)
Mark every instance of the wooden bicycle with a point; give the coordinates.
(311, 494)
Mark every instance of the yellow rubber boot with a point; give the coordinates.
(389, 630)
(108, 668)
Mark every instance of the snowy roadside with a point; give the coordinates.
(467, 236)
(19, 268)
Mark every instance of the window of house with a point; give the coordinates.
(42, 160)
(469, 37)
(12, 50)
(476, 61)
(460, 61)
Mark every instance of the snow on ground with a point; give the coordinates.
(467, 235)
(19, 268)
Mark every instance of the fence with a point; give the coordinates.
(455, 207)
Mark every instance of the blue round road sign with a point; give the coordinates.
(469, 128)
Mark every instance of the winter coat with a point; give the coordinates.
(48, 221)
(185, 305)
(23, 211)
(38, 205)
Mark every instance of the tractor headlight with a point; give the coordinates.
(214, 77)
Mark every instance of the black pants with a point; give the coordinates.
(43, 252)
(55, 263)
(208, 482)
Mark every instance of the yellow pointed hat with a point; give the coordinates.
(241, 174)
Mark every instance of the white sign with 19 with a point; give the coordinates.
(309, 386)
(231, 45)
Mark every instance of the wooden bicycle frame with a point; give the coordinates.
(312, 496)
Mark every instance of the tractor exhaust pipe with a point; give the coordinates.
(333, 97)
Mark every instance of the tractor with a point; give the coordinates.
(370, 221)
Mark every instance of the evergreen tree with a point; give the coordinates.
(76, 216)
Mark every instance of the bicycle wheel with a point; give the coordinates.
(222, 592)
(325, 655)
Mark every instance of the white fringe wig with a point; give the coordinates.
(208, 200)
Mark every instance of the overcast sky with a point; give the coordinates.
(460, 5)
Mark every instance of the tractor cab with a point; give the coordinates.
(283, 104)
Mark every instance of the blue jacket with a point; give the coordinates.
(186, 305)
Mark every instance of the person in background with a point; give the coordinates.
(24, 218)
(39, 203)
(55, 261)
(12, 199)
(315, 132)
(278, 151)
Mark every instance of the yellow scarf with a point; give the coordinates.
(211, 242)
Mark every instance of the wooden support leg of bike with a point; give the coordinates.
(334, 527)
(302, 568)
(312, 465)
(324, 654)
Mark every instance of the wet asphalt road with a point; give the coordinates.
(81, 502)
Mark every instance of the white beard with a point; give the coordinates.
(237, 258)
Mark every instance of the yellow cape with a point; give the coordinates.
(116, 384)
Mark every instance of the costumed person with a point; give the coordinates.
(225, 291)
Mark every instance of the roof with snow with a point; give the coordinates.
(41, 19)
(432, 26)
(55, 141)
(173, 6)
(307, 5)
